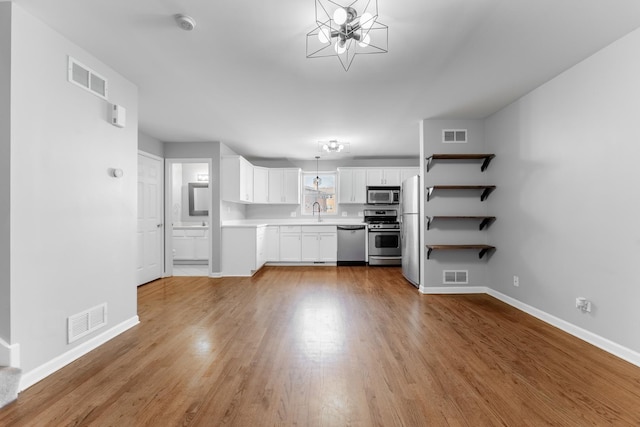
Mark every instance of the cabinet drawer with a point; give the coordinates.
(194, 233)
(178, 233)
(319, 229)
(290, 229)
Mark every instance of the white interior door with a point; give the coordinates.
(150, 222)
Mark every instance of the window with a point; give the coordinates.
(324, 193)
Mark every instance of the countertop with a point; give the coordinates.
(244, 223)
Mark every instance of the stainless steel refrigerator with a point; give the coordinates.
(410, 229)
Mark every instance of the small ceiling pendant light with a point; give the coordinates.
(341, 31)
(317, 179)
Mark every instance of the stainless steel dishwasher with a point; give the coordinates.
(352, 241)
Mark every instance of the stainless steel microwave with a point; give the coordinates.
(383, 195)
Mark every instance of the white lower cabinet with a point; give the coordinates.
(272, 243)
(190, 245)
(290, 243)
(243, 250)
(319, 243)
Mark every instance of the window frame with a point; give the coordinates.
(313, 174)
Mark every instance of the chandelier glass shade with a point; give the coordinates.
(346, 31)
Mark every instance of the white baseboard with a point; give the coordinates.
(453, 290)
(43, 371)
(215, 275)
(609, 346)
(594, 339)
(9, 354)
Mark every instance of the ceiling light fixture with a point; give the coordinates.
(317, 179)
(333, 146)
(185, 22)
(346, 31)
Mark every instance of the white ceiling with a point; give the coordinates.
(242, 77)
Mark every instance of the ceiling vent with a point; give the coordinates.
(455, 277)
(84, 323)
(86, 78)
(454, 135)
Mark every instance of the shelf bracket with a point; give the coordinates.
(485, 193)
(485, 163)
(429, 250)
(429, 159)
(486, 222)
(429, 219)
(429, 191)
(482, 252)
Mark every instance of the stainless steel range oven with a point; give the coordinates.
(383, 236)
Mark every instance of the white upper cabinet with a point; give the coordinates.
(284, 186)
(384, 176)
(260, 185)
(409, 172)
(237, 179)
(352, 185)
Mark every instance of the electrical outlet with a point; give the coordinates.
(293, 214)
(344, 213)
(360, 213)
(516, 281)
(583, 304)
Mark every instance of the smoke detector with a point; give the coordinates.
(185, 22)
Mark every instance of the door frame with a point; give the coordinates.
(162, 207)
(168, 209)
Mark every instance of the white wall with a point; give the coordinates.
(73, 226)
(567, 205)
(5, 143)
(150, 145)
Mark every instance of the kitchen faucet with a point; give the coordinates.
(313, 210)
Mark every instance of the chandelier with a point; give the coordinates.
(346, 31)
(333, 146)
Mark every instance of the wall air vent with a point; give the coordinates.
(86, 78)
(455, 277)
(454, 136)
(84, 323)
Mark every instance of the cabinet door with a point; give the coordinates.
(375, 177)
(353, 186)
(272, 242)
(246, 181)
(392, 177)
(359, 190)
(261, 249)
(260, 185)
(345, 185)
(291, 186)
(289, 247)
(409, 172)
(201, 247)
(183, 248)
(328, 247)
(310, 247)
(276, 185)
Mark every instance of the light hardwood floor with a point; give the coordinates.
(326, 346)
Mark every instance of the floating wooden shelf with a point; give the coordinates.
(482, 248)
(485, 221)
(486, 159)
(486, 189)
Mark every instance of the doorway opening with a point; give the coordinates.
(189, 213)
